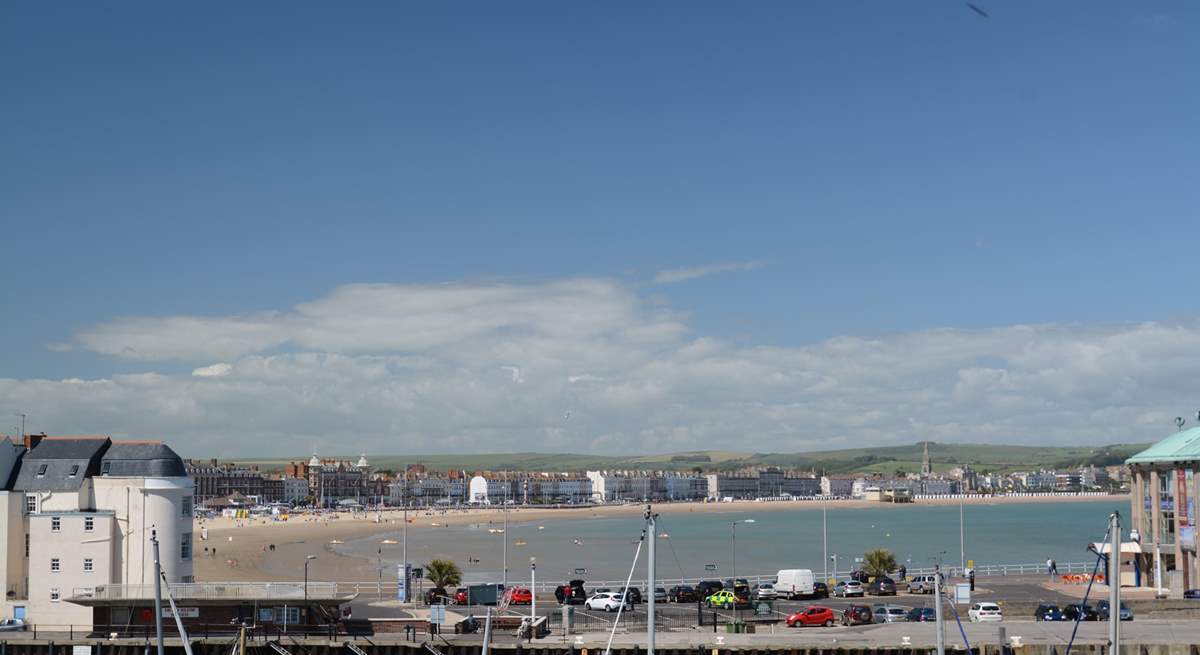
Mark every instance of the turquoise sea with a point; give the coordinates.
(765, 541)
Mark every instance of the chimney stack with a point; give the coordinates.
(32, 440)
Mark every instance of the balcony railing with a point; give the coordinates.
(211, 591)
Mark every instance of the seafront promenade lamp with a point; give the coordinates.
(306, 561)
(733, 548)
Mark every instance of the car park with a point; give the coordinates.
(1102, 608)
(985, 612)
(922, 614)
(812, 615)
(764, 591)
(607, 601)
(1047, 612)
(890, 614)
(857, 615)
(882, 587)
(1080, 612)
(848, 588)
(682, 594)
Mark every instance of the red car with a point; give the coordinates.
(812, 615)
(521, 596)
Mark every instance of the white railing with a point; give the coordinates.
(212, 591)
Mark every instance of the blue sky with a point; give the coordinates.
(867, 170)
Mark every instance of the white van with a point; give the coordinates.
(794, 583)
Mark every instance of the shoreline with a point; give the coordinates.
(262, 549)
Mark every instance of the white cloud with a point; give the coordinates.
(589, 365)
(674, 275)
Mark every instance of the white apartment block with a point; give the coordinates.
(78, 512)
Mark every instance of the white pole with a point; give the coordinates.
(962, 543)
(532, 592)
(1114, 586)
(158, 628)
(651, 527)
(825, 534)
(504, 581)
(404, 532)
(937, 605)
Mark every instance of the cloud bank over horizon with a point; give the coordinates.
(589, 365)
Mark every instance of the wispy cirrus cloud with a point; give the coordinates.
(590, 365)
(674, 275)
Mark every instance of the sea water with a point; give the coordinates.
(711, 544)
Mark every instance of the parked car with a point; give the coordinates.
(460, 596)
(848, 588)
(739, 586)
(607, 601)
(921, 584)
(812, 615)
(726, 600)
(1102, 606)
(633, 595)
(857, 615)
(922, 614)
(764, 591)
(820, 590)
(707, 588)
(1191, 594)
(1080, 612)
(882, 587)
(890, 614)
(521, 596)
(859, 575)
(13, 625)
(984, 612)
(1047, 612)
(660, 594)
(682, 594)
(572, 593)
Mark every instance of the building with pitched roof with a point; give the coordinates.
(1163, 492)
(77, 514)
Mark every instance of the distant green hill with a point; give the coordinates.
(886, 460)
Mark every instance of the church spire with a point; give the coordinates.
(926, 467)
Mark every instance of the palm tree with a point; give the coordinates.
(879, 562)
(443, 573)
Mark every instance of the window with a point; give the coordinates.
(87, 564)
(74, 471)
(54, 594)
(42, 470)
(30, 504)
(54, 564)
(287, 615)
(104, 468)
(185, 546)
(89, 524)
(186, 507)
(26, 545)
(56, 524)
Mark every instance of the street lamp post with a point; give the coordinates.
(962, 542)
(733, 549)
(532, 590)
(307, 559)
(825, 534)
(834, 558)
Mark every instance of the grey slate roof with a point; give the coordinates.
(49, 465)
(142, 459)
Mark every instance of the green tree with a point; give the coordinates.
(443, 573)
(879, 562)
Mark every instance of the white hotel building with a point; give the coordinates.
(78, 512)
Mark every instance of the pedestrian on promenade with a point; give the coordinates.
(1050, 567)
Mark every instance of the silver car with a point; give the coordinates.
(13, 625)
(848, 588)
(890, 614)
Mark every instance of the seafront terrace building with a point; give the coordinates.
(1165, 486)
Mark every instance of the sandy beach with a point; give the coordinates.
(264, 549)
